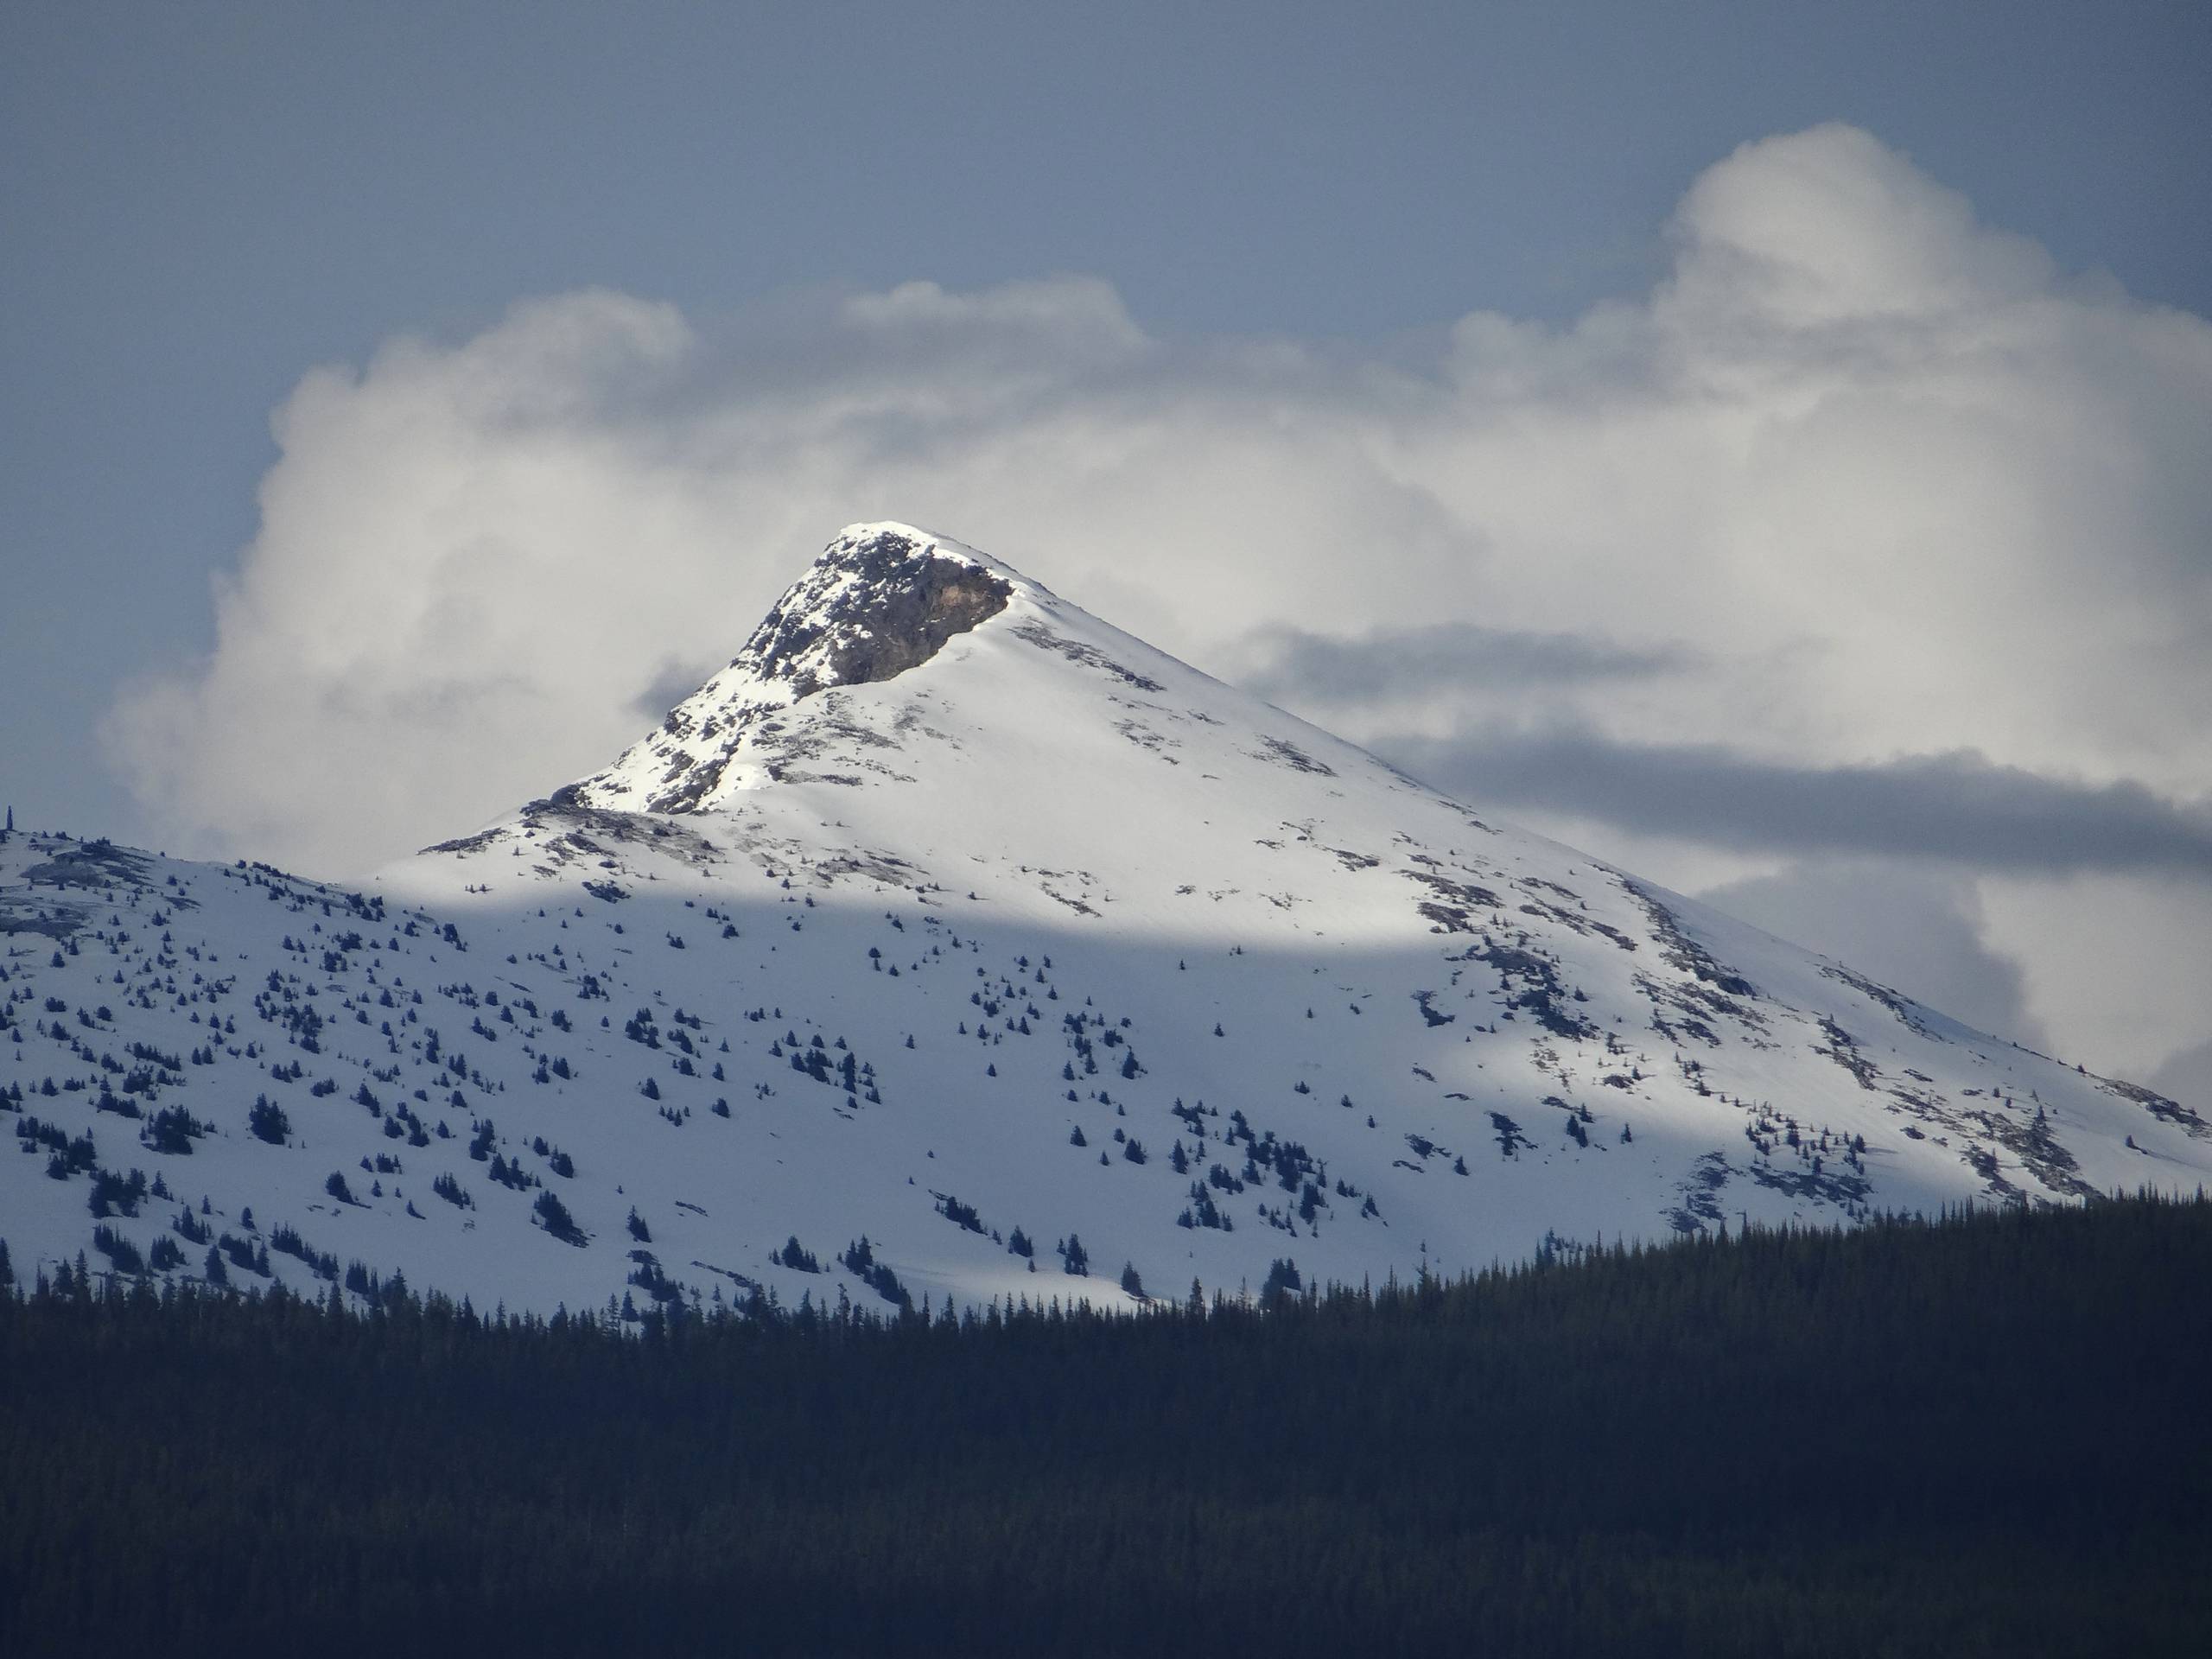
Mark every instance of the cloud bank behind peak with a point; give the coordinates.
(1862, 508)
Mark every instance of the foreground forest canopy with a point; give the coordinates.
(1982, 1433)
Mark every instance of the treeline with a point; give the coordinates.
(1979, 1434)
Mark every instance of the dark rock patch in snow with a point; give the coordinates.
(1684, 952)
(891, 603)
(1090, 656)
(2160, 1107)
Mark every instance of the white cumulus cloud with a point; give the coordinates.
(1862, 483)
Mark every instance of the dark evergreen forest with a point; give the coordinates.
(1985, 1433)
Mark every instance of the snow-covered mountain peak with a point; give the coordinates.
(948, 940)
(912, 711)
(881, 600)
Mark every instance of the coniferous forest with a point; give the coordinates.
(1983, 1434)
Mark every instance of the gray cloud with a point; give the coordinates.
(672, 682)
(1957, 806)
(1394, 663)
(1911, 926)
(2187, 1077)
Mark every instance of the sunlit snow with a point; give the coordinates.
(912, 938)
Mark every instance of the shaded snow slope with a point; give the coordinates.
(950, 918)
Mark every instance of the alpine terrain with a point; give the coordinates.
(951, 943)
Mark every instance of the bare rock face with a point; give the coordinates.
(881, 600)
(868, 610)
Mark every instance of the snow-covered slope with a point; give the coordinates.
(951, 918)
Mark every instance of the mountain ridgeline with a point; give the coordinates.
(950, 944)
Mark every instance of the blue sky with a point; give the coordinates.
(203, 203)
